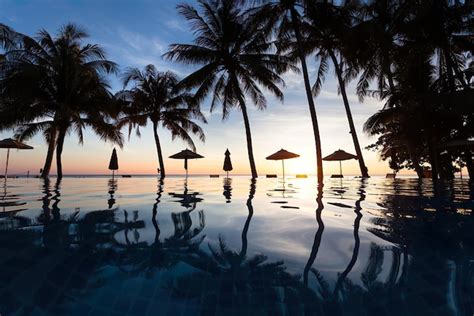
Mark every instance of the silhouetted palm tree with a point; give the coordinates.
(284, 16)
(327, 27)
(66, 90)
(375, 44)
(156, 97)
(235, 56)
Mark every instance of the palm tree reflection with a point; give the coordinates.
(355, 251)
(317, 237)
(165, 253)
(231, 279)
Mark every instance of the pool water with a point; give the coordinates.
(139, 246)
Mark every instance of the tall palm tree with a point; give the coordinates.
(376, 39)
(156, 97)
(284, 16)
(327, 26)
(447, 27)
(235, 56)
(65, 89)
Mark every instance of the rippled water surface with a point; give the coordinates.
(138, 246)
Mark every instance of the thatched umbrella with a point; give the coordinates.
(339, 155)
(186, 154)
(113, 164)
(8, 144)
(227, 162)
(282, 155)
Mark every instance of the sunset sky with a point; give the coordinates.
(136, 34)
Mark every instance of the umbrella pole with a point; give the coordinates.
(6, 165)
(186, 167)
(283, 165)
(340, 168)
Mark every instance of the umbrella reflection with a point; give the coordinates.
(8, 200)
(186, 199)
(112, 184)
(227, 189)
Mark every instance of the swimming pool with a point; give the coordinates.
(140, 246)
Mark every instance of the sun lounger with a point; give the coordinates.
(337, 176)
(301, 176)
(271, 175)
(214, 176)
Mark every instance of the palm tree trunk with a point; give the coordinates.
(363, 168)
(309, 96)
(49, 156)
(248, 134)
(434, 162)
(415, 160)
(449, 71)
(469, 164)
(59, 151)
(158, 150)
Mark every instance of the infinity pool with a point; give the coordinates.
(138, 246)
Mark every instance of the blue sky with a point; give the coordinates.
(137, 33)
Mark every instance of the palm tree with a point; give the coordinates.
(284, 16)
(236, 58)
(66, 90)
(326, 28)
(447, 27)
(376, 39)
(156, 97)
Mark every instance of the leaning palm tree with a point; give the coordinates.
(285, 18)
(327, 28)
(236, 59)
(55, 85)
(156, 98)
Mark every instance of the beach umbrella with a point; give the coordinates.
(227, 162)
(113, 164)
(282, 155)
(8, 144)
(186, 154)
(339, 155)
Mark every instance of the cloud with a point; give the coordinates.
(176, 25)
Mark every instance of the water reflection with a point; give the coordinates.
(355, 252)
(317, 239)
(227, 189)
(282, 194)
(9, 201)
(186, 199)
(231, 281)
(409, 251)
(112, 184)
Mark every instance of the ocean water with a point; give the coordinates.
(139, 246)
